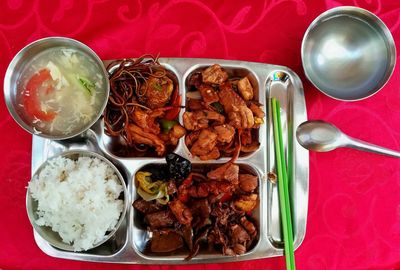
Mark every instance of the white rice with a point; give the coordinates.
(78, 199)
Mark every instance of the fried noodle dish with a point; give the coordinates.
(143, 105)
(219, 109)
(192, 210)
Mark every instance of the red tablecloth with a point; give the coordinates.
(354, 201)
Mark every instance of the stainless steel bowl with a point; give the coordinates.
(23, 58)
(348, 53)
(52, 237)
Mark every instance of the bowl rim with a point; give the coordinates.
(31, 212)
(391, 47)
(7, 85)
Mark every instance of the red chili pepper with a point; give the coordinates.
(226, 197)
(31, 97)
(183, 192)
(188, 181)
(175, 95)
(175, 106)
(183, 196)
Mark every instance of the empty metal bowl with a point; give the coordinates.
(348, 53)
(13, 83)
(52, 237)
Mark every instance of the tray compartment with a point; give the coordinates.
(117, 147)
(140, 233)
(234, 72)
(281, 84)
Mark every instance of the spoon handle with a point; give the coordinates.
(361, 145)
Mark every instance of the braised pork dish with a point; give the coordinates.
(199, 209)
(219, 111)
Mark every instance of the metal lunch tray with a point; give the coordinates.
(127, 246)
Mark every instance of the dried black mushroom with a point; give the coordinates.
(178, 167)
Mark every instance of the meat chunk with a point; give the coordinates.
(195, 80)
(213, 154)
(239, 234)
(214, 75)
(208, 94)
(256, 110)
(225, 133)
(146, 120)
(249, 226)
(157, 91)
(248, 182)
(241, 117)
(173, 136)
(204, 189)
(191, 137)
(205, 143)
(181, 212)
(227, 172)
(228, 251)
(245, 136)
(199, 191)
(165, 241)
(239, 249)
(140, 136)
(199, 119)
(194, 104)
(146, 207)
(160, 219)
(229, 98)
(245, 89)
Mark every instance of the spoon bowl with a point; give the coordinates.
(320, 136)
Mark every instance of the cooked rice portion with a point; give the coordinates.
(78, 199)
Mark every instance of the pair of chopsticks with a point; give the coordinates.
(283, 186)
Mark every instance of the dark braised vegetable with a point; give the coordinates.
(160, 219)
(178, 167)
(207, 209)
(166, 241)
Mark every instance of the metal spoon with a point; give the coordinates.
(321, 136)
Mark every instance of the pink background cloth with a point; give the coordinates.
(354, 197)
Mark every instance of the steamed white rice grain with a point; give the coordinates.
(78, 199)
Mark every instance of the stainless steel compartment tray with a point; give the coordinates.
(273, 81)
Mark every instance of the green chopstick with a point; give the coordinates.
(283, 187)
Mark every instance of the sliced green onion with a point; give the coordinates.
(86, 84)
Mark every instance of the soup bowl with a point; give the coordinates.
(24, 94)
(348, 53)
